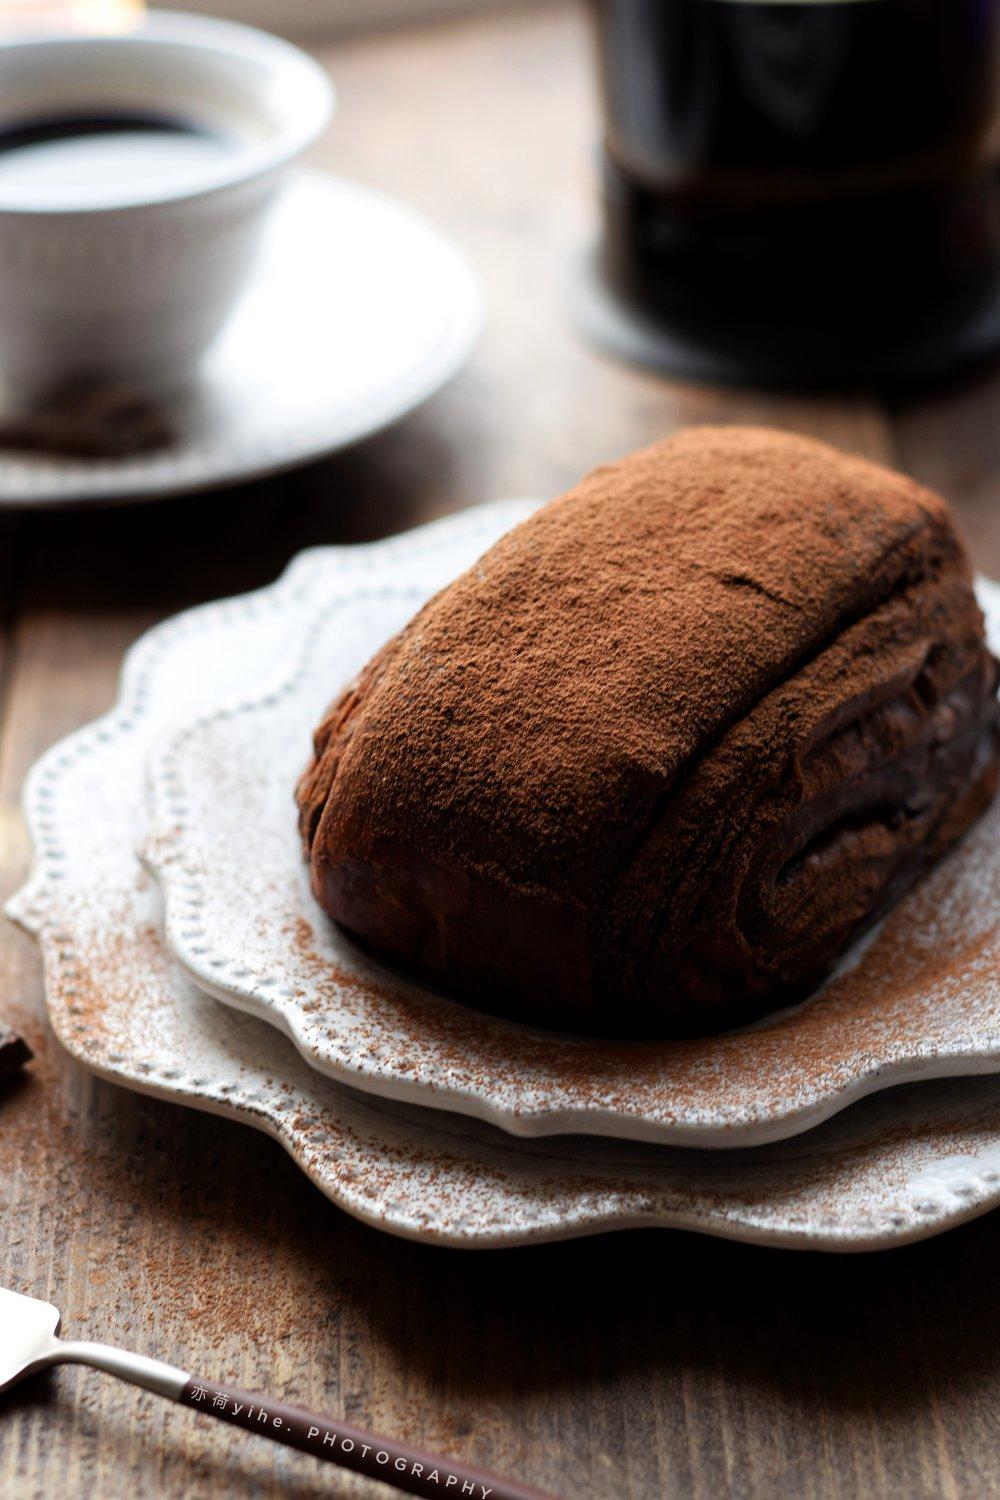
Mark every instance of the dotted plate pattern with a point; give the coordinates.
(898, 1168)
(242, 923)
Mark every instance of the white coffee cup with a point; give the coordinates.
(128, 282)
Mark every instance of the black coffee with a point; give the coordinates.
(801, 182)
(76, 152)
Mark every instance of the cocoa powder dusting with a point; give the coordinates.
(654, 760)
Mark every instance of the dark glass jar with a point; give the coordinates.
(803, 189)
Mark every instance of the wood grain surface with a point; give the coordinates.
(636, 1365)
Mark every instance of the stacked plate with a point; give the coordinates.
(185, 957)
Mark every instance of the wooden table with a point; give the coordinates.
(631, 1365)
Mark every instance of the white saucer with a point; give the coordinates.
(898, 1168)
(358, 312)
(242, 923)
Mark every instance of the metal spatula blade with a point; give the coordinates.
(29, 1342)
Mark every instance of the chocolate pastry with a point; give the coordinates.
(656, 759)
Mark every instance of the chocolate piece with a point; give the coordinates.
(14, 1051)
(654, 761)
(84, 421)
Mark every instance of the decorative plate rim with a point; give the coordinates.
(518, 1104)
(514, 1193)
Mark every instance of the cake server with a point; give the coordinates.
(29, 1343)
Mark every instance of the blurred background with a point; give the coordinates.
(298, 18)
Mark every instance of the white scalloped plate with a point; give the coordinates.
(242, 923)
(904, 1166)
(357, 312)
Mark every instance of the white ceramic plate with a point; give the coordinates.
(897, 1168)
(243, 925)
(356, 313)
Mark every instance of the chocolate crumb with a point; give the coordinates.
(14, 1051)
